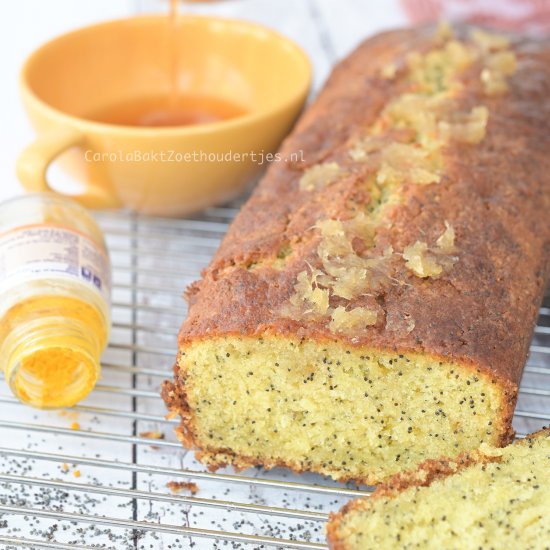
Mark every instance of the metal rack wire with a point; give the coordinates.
(96, 476)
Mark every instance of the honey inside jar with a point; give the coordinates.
(54, 299)
(56, 365)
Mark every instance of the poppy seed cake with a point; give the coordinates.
(371, 306)
(491, 498)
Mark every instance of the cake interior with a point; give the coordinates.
(503, 504)
(347, 412)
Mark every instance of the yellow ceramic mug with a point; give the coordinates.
(165, 170)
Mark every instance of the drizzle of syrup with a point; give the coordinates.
(173, 108)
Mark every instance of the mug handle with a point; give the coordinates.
(33, 162)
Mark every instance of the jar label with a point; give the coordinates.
(40, 251)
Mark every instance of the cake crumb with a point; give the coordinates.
(179, 486)
(488, 450)
(152, 435)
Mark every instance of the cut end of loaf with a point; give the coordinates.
(343, 411)
(493, 498)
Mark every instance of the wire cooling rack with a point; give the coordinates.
(103, 474)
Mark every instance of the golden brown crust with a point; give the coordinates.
(495, 194)
(423, 476)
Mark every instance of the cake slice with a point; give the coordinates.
(372, 304)
(491, 498)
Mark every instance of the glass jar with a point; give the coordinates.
(54, 299)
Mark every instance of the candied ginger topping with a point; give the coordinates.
(444, 31)
(446, 242)
(321, 175)
(419, 112)
(407, 163)
(489, 41)
(363, 148)
(404, 145)
(334, 241)
(502, 62)
(497, 67)
(499, 61)
(350, 321)
(308, 297)
(337, 236)
(388, 71)
(421, 261)
(466, 127)
(436, 70)
(425, 261)
(345, 272)
(361, 227)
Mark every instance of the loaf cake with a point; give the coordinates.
(371, 306)
(490, 498)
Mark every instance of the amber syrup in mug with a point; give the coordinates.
(173, 108)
